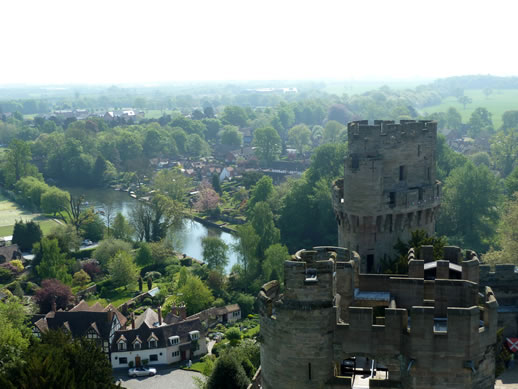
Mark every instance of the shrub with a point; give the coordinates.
(17, 264)
(5, 274)
(130, 364)
(92, 269)
(53, 290)
(147, 301)
(187, 261)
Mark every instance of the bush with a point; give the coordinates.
(130, 364)
(31, 287)
(17, 264)
(145, 362)
(5, 275)
(147, 301)
(187, 261)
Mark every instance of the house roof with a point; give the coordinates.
(8, 253)
(162, 333)
(81, 318)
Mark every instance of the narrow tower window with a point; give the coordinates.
(402, 173)
(309, 371)
(418, 150)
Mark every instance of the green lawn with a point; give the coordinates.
(157, 113)
(10, 212)
(497, 103)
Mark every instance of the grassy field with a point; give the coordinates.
(157, 113)
(10, 212)
(497, 103)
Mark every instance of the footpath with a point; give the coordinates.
(508, 380)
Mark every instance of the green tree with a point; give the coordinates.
(233, 335)
(464, 100)
(231, 136)
(511, 182)
(108, 248)
(468, 207)
(247, 248)
(54, 200)
(507, 235)
(332, 131)
(122, 268)
(214, 252)
(14, 333)
(262, 222)
(235, 116)
(173, 183)
(18, 163)
(67, 237)
(81, 278)
(453, 119)
(300, 136)
(121, 229)
(479, 122)
(215, 183)
(196, 295)
(268, 144)
(144, 256)
(58, 361)
(509, 120)
(261, 191)
(504, 150)
(182, 277)
(273, 264)
(26, 234)
(327, 162)
(228, 373)
(93, 227)
(54, 263)
(196, 146)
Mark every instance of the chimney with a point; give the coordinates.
(181, 312)
(132, 321)
(159, 315)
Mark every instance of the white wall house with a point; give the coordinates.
(157, 342)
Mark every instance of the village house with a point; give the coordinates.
(93, 322)
(153, 340)
(209, 317)
(8, 253)
(227, 173)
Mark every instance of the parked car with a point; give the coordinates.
(87, 242)
(141, 371)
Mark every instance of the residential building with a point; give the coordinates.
(152, 339)
(94, 322)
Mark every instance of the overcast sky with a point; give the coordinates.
(111, 41)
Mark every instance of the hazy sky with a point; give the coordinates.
(111, 41)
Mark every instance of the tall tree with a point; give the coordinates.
(196, 295)
(268, 144)
(273, 264)
(299, 136)
(214, 252)
(26, 234)
(52, 292)
(262, 222)
(504, 149)
(231, 136)
(54, 263)
(123, 270)
(468, 209)
(332, 131)
(14, 334)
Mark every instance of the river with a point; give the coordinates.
(187, 240)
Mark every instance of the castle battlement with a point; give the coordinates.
(412, 324)
(389, 187)
(361, 129)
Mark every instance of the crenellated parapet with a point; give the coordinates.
(425, 331)
(389, 187)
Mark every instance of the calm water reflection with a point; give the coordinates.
(187, 240)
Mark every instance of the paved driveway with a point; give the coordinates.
(509, 379)
(165, 378)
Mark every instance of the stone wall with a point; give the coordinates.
(433, 333)
(389, 187)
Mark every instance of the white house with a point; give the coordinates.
(157, 342)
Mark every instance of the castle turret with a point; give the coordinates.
(389, 187)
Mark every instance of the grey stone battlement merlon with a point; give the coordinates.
(362, 128)
(424, 330)
(389, 187)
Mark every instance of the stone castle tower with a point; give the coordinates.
(389, 187)
(333, 327)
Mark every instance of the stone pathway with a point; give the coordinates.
(508, 380)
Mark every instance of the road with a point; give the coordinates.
(509, 379)
(166, 378)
